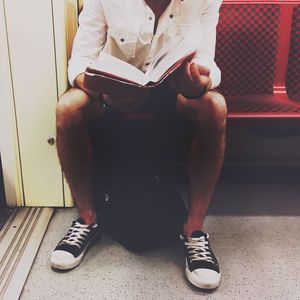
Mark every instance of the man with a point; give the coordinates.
(134, 31)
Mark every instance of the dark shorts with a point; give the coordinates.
(160, 102)
(152, 136)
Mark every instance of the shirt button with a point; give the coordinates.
(147, 64)
(122, 40)
(150, 18)
(171, 16)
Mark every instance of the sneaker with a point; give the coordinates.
(202, 268)
(71, 249)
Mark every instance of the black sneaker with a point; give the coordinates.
(202, 268)
(71, 249)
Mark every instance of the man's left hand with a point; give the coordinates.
(191, 80)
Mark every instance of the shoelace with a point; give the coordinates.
(198, 249)
(76, 234)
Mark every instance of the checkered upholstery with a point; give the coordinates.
(262, 105)
(246, 48)
(293, 73)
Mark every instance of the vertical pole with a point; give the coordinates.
(284, 38)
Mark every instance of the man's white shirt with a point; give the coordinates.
(124, 29)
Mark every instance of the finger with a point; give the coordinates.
(187, 71)
(182, 99)
(205, 81)
(203, 70)
(185, 105)
(196, 79)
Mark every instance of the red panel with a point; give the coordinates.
(293, 73)
(284, 37)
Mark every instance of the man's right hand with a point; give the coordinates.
(118, 103)
(79, 83)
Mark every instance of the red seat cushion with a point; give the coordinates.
(261, 106)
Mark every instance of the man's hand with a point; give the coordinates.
(79, 83)
(191, 80)
(123, 104)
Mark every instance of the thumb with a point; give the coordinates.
(186, 102)
(185, 105)
(181, 99)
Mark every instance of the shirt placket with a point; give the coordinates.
(149, 27)
(166, 20)
(169, 16)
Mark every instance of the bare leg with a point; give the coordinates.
(74, 110)
(206, 154)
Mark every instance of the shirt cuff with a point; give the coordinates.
(77, 67)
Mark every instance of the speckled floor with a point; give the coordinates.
(255, 233)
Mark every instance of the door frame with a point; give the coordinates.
(9, 147)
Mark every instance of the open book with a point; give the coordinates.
(110, 75)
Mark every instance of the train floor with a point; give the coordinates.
(254, 231)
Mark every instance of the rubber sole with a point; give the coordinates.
(201, 285)
(77, 260)
(75, 263)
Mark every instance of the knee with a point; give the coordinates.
(213, 110)
(71, 108)
(208, 112)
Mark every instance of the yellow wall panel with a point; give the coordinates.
(8, 131)
(80, 4)
(33, 66)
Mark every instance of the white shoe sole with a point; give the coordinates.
(202, 285)
(64, 266)
(77, 260)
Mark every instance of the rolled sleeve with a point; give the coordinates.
(89, 40)
(207, 40)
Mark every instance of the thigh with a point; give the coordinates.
(75, 101)
(206, 112)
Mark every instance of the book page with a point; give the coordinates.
(111, 66)
(168, 57)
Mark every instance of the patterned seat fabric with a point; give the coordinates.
(247, 47)
(262, 105)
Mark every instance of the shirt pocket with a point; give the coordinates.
(125, 41)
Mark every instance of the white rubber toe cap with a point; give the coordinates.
(204, 278)
(62, 260)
